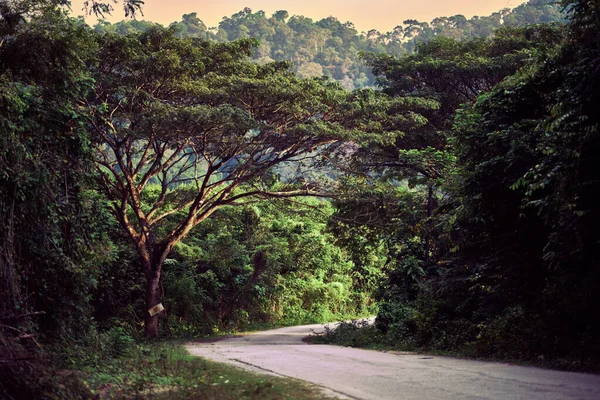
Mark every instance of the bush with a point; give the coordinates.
(510, 335)
(356, 333)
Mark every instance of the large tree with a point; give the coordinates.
(183, 127)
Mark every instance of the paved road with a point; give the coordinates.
(365, 374)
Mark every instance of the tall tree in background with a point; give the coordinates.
(423, 241)
(455, 72)
(443, 74)
(528, 189)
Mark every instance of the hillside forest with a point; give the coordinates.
(331, 47)
(186, 181)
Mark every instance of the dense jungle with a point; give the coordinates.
(160, 183)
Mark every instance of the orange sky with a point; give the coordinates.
(383, 15)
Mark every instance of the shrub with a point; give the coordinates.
(356, 333)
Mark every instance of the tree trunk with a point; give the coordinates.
(259, 263)
(153, 298)
(430, 206)
(9, 287)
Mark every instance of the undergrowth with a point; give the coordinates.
(355, 333)
(362, 334)
(165, 370)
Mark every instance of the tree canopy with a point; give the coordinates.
(331, 47)
(189, 126)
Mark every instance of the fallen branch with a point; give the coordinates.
(22, 334)
(12, 328)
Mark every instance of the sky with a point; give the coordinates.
(382, 15)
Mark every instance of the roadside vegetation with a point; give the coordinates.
(504, 265)
(112, 365)
(167, 371)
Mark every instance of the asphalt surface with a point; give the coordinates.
(366, 374)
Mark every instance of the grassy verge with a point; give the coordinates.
(167, 371)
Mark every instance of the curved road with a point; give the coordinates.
(365, 374)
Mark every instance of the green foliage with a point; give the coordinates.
(455, 72)
(356, 333)
(168, 371)
(123, 28)
(261, 264)
(518, 281)
(265, 264)
(330, 47)
(468, 208)
(399, 322)
(522, 131)
(50, 242)
(407, 187)
(96, 348)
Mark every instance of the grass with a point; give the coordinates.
(168, 371)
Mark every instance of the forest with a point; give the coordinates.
(330, 47)
(166, 183)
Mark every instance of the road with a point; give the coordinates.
(366, 374)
